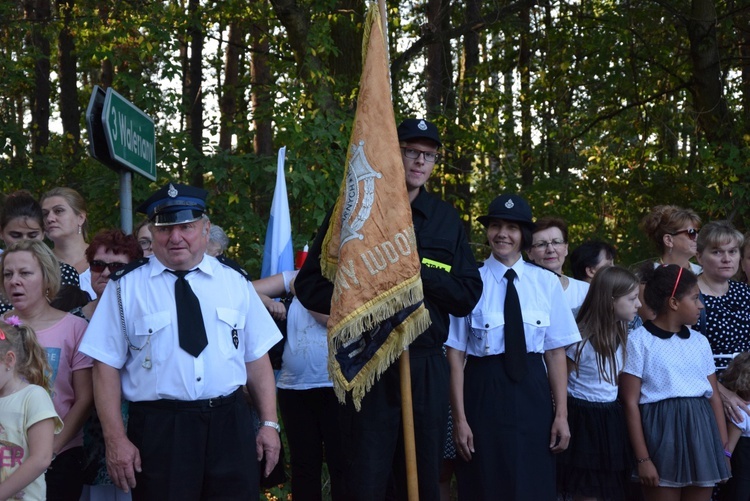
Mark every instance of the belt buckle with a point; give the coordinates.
(212, 402)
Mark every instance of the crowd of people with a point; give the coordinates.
(137, 366)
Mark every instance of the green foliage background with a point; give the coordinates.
(611, 98)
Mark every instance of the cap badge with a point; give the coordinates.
(421, 125)
(172, 191)
(509, 204)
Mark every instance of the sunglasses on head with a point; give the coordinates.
(692, 233)
(99, 266)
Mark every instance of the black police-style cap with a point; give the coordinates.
(175, 204)
(509, 208)
(413, 128)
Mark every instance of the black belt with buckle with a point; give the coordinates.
(208, 403)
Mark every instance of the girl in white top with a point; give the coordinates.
(597, 464)
(28, 421)
(668, 389)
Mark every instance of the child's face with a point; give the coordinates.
(626, 307)
(689, 307)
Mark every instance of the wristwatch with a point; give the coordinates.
(272, 424)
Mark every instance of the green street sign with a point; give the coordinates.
(130, 134)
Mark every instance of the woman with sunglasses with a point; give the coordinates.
(674, 231)
(109, 251)
(31, 275)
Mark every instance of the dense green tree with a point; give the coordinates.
(594, 110)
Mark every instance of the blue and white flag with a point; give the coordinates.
(278, 254)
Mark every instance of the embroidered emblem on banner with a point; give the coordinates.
(360, 174)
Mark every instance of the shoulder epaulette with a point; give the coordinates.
(231, 263)
(128, 268)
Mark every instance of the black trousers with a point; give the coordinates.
(194, 450)
(64, 477)
(373, 437)
(312, 429)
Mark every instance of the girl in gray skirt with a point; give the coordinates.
(668, 390)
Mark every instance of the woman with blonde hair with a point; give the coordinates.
(31, 276)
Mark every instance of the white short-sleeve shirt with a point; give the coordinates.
(152, 364)
(576, 292)
(672, 367)
(548, 321)
(587, 382)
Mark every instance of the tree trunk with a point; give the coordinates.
(468, 89)
(296, 21)
(69, 112)
(228, 102)
(38, 13)
(524, 62)
(713, 115)
(194, 88)
(262, 99)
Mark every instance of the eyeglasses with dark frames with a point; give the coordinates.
(99, 266)
(555, 242)
(691, 233)
(145, 243)
(429, 156)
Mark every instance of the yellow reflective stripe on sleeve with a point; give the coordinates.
(436, 264)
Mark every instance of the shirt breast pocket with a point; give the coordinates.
(231, 323)
(483, 323)
(150, 325)
(536, 323)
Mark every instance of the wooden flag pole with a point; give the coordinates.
(407, 418)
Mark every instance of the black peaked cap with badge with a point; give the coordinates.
(416, 128)
(509, 208)
(175, 203)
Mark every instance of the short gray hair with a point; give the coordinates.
(219, 237)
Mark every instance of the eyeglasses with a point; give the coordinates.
(691, 233)
(99, 266)
(145, 243)
(429, 156)
(557, 242)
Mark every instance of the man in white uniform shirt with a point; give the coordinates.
(190, 434)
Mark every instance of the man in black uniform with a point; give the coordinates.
(451, 283)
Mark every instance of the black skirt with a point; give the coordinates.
(598, 462)
(511, 424)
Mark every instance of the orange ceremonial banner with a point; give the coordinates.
(370, 252)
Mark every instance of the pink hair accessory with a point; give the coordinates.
(13, 320)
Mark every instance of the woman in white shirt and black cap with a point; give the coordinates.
(509, 412)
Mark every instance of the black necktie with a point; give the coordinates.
(192, 330)
(515, 341)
